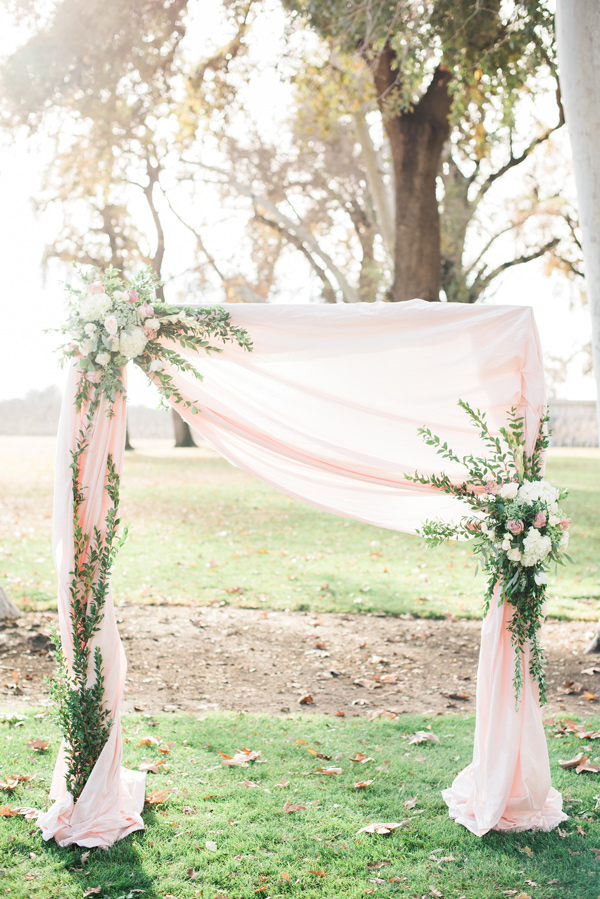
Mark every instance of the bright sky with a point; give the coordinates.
(31, 302)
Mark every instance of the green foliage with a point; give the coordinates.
(519, 529)
(78, 704)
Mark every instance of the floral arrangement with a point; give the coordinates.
(111, 323)
(515, 519)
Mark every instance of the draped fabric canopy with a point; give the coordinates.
(327, 408)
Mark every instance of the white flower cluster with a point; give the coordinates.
(95, 306)
(536, 548)
(132, 342)
(530, 491)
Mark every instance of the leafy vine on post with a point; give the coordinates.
(516, 522)
(109, 324)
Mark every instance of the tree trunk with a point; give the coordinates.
(578, 44)
(183, 432)
(7, 607)
(128, 445)
(416, 139)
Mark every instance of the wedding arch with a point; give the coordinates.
(326, 407)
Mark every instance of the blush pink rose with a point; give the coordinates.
(515, 527)
(149, 332)
(492, 487)
(96, 287)
(146, 310)
(540, 520)
(94, 377)
(133, 296)
(565, 523)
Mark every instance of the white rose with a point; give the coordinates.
(113, 343)
(505, 544)
(514, 555)
(540, 577)
(111, 324)
(103, 358)
(90, 329)
(509, 491)
(121, 296)
(132, 342)
(95, 306)
(554, 519)
(153, 323)
(86, 347)
(156, 365)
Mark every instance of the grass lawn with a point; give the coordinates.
(259, 850)
(203, 532)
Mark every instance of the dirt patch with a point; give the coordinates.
(197, 659)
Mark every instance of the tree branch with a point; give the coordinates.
(482, 281)
(329, 291)
(513, 160)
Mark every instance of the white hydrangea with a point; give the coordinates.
(514, 555)
(509, 491)
(132, 342)
(95, 307)
(530, 491)
(564, 542)
(554, 519)
(535, 547)
(121, 296)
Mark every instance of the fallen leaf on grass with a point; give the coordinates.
(242, 757)
(329, 771)
(192, 874)
(374, 866)
(410, 803)
(247, 783)
(84, 858)
(211, 845)
(376, 880)
(91, 891)
(150, 765)
(156, 797)
(7, 812)
(285, 876)
(290, 807)
(527, 850)
(38, 745)
(361, 784)
(283, 783)
(436, 893)
(367, 684)
(318, 873)
(29, 813)
(149, 741)
(10, 783)
(382, 828)
(580, 763)
(362, 758)
(422, 736)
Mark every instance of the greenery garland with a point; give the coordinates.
(518, 527)
(110, 323)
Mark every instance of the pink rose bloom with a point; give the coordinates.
(133, 296)
(149, 332)
(565, 523)
(515, 527)
(540, 520)
(146, 310)
(492, 487)
(94, 377)
(473, 525)
(96, 287)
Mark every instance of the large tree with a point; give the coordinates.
(445, 73)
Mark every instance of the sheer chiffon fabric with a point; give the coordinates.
(112, 800)
(326, 408)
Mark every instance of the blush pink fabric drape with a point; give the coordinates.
(326, 408)
(112, 800)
